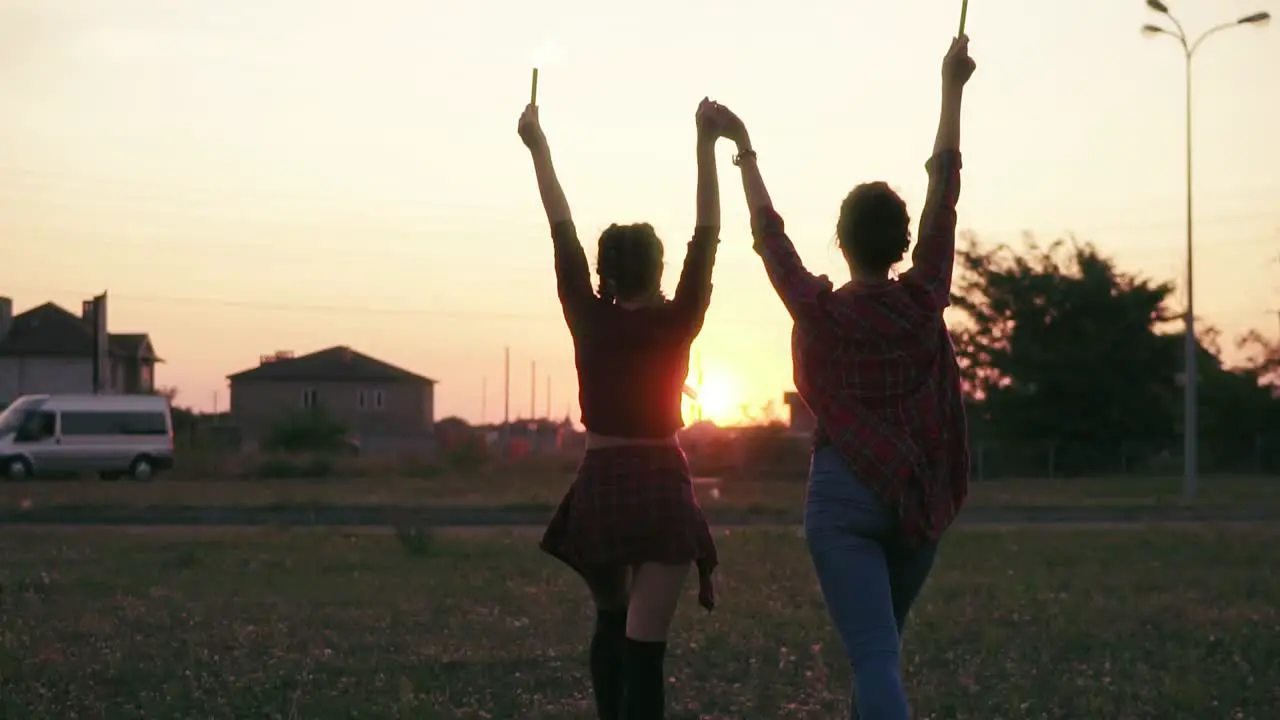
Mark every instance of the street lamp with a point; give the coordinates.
(1190, 426)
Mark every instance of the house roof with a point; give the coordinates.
(51, 330)
(131, 344)
(47, 330)
(335, 364)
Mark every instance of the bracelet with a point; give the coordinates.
(741, 155)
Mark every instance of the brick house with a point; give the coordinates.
(386, 409)
(50, 350)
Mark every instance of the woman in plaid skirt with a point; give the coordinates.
(630, 525)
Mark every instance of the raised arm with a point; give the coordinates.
(693, 293)
(933, 260)
(573, 276)
(804, 295)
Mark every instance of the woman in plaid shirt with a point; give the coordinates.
(630, 525)
(874, 362)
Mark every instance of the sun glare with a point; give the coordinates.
(717, 400)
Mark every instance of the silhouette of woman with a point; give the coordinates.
(630, 525)
(874, 362)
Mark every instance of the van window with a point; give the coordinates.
(15, 415)
(80, 422)
(37, 425)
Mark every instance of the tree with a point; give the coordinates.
(185, 420)
(1262, 357)
(1057, 343)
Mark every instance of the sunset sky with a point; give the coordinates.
(252, 176)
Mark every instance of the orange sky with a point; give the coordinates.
(252, 177)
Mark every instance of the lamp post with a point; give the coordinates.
(1190, 426)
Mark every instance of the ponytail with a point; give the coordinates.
(629, 262)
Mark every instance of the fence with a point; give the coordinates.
(775, 454)
(771, 455)
(1255, 455)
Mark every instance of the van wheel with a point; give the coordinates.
(17, 469)
(141, 468)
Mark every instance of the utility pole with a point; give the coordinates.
(548, 398)
(533, 390)
(697, 411)
(506, 403)
(484, 399)
(1190, 420)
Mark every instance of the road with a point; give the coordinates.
(479, 517)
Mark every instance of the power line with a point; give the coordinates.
(300, 307)
(44, 176)
(425, 245)
(99, 183)
(328, 309)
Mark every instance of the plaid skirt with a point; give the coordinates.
(631, 505)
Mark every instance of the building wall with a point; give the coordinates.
(802, 420)
(35, 375)
(64, 375)
(133, 375)
(6, 316)
(408, 409)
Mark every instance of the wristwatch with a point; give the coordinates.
(741, 155)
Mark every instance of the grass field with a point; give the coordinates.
(1058, 623)
(513, 488)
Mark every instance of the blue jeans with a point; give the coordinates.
(869, 580)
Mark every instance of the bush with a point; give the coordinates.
(416, 537)
(307, 431)
(467, 457)
(773, 452)
(283, 467)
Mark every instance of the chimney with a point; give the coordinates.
(94, 312)
(6, 317)
(277, 356)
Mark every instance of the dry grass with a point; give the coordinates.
(1014, 624)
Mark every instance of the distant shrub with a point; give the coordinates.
(284, 467)
(307, 431)
(770, 452)
(416, 537)
(467, 457)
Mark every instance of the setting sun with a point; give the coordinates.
(716, 398)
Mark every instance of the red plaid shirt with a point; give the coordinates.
(876, 366)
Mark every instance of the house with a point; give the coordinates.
(802, 420)
(50, 350)
(540, 436)
(386, 409)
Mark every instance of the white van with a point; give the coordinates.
(111, 435)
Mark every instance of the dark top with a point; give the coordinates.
(632, 364)
(876, 365)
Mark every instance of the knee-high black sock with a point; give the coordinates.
(608, 646)
(645, 698)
